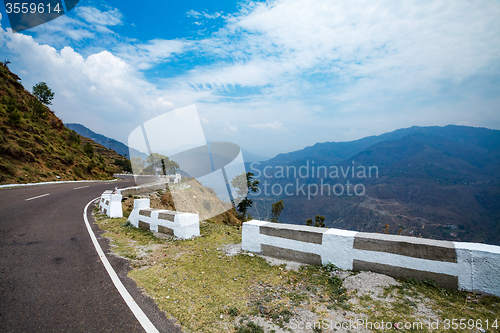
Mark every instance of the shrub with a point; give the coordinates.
(429, 282)
(91, 165)
(412, 281)
(37, 108)
(68, 159)
(251, 327)
(335, 281)
(74, 138)
(11, 103)
(15, 117)
(88, 150)
(78, 172)
(7, 168)
(124, 164)
(233, 311)
(330, 268)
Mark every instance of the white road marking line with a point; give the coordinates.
(136, 310)
(43, 195)
(77, 188)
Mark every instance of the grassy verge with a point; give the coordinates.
(438, 309)
(205, 290)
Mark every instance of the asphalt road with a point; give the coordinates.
(51, 278)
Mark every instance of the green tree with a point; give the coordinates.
(320, 221)
(155, 160)
(276, 209)
(43, 93)
(244, 184)
(137, 164)
(124, 164)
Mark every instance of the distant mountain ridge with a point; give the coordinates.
(109, 143)
(433, 182)
(251, 157)
(334, 152)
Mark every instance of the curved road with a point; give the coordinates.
(51, 277)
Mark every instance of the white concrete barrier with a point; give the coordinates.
(465, 266)
(111, 204)
(178, 224)
(144, 188)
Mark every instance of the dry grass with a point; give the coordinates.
(206, 290)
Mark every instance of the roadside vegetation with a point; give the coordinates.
(208, 285)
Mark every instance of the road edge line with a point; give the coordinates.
(136, 310)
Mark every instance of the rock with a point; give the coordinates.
(366, 282)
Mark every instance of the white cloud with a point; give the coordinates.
(273, 126)
(193, 13)
(379, 41)
(94, 16)
(83, 24)
(101, 90)
(212, 16)
(145, 55)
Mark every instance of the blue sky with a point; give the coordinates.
(270, 76)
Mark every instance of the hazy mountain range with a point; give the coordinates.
(435, 182)
(123, 149)
(113, 144)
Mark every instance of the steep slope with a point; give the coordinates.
(35, 146)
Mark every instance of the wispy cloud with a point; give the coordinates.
(146, 55)
(94, 16)
(195, 14)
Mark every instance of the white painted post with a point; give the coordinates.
(115, 206)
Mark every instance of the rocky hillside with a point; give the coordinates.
(191, 197)
(35, 145)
